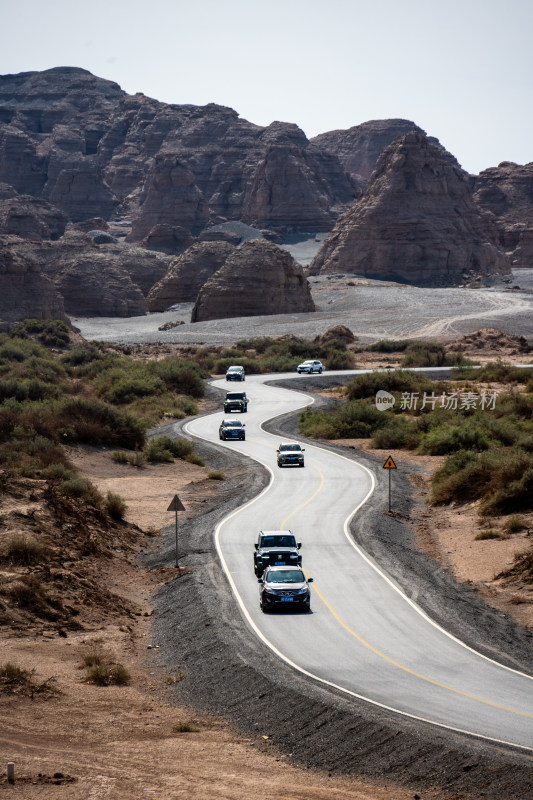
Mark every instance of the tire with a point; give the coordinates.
(320, 372)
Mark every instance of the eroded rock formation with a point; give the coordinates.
(359, 148)
(257, 279)
(506, 191)
(187, 274)
(31, 218)
(416, 222)
(26, 292)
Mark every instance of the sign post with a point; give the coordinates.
(176, 505)
(389, 465)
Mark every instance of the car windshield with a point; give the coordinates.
(308, 362)
(285, 576)
(235, 369)
(278, 541)
(284, 447)
(233, 424)
(234, 396)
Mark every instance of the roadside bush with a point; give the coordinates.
(366, 386)
(496, 372)
(430, 354)
(399, 431)
(389, 346)
(91, 421)
(180, 375)
(465, 435)
(463, 477)
(216, 475)
(115, 505)
(28, 593)
(316, 424)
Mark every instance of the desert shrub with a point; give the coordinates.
(115, 505)
(465, 435)
(103, 674)
(17, 680)
(28, 593)
(91, 421)
(137, 459)
(489, 534)
(81, 355)
(156, 451)
(316, 424)
(496, 372)
(463, 477)
(55, 473)
(389, 346)
(194, 458)
(83, 489)
(430, 354)
(339, 359)
(514, 524)
(25, 551)
(216, 475)
(51, 332)
(511, 488)
(522, 567)
(12, 388)
(184, 727)
(398, 432)
(366, 386)
(127, 381)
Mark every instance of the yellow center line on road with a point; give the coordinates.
(407, 669)
(296, 510)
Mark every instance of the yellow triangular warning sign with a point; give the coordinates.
(389, 464)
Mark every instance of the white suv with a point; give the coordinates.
(310, 367)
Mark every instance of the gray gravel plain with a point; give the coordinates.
(370, 309)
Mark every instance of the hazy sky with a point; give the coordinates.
(461, 69)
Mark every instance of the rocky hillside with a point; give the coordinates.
(506, 192)
(416, 222)
(256, 279)
(86, 146)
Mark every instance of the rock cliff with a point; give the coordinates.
(31, 218)
(359, 148)
(26, 292)
(187, 274)
(92, 150)
(416, 222)
(506, 192)
(257, 279)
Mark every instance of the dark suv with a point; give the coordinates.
(276, 548)
(284, 587)
(235, 401)
(231, 429)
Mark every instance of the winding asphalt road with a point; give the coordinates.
(364, 636)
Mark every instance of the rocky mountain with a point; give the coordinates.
(90, 149)
(26, 292)
(506, 192)
(416, 222)
(359, 148)
(257, 278)
(30, 217)
(106, 279)
(187, 274)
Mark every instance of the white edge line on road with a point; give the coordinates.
(300, 669)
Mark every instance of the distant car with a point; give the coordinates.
(284, 587)
(290, 454)
(235, 374)
(276, 548)
(310, 367)
(231, 429)
(236, 401)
